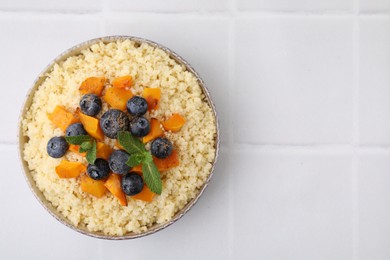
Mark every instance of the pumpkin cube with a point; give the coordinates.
(93, 85)
(67, 169)
(146, 195)
(103, 151)
(91, 186)
(113, 184)
(122, 82)
(117, 97)
(155, 131)
(62, 118)
(174, 123)
(152, 96)
(92, 126)
(167, 163)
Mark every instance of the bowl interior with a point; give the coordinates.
(23, 139)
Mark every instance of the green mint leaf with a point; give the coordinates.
(91, 153)
(152, 177)
(147, 157)
(82, 150)
(130, 143)
(78, 139)
(135, 159)
(86, 145)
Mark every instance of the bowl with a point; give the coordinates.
(22, 139)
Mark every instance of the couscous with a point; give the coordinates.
(149, 67)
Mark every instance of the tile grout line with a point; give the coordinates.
(230, 142)
(356, 134)
(231, 48)
(242, 13)
(8, 144)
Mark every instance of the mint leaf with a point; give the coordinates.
(130, 143)
(91, 153)
(139, 155)
(135, 159)
(152, 177)
(78, 139)
(147, 157)
(81, 150)
(86, 145)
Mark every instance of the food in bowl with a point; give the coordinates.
(100, 94)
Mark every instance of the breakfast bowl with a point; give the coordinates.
(72, 158)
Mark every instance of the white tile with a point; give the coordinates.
(28, 46)
(296, 5)
(374, 106)
(49, 5)
(294, 80)
(292, 205)
(374, 206)
(169, 5)
(27, 230)
(205, 47)
(201, 234)
(369, 6)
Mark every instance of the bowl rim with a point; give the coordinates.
(76, 49)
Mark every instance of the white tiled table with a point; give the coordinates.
(303, 93)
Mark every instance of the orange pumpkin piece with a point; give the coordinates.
(93, 85)
(91, 186)
(155, 131)
(92, 126)
(113, 184)
(122, 82)
(75, 148)
(67, 169)
(174, 123)
(103, 151)
(137, 169)
(61, 118)
(152, 96)
(146, 195)
(117, 97)
(167, 163)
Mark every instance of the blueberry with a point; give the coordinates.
(75, 129)
(139, 126)
(161, 147)
(57, 147)
(137, 106)
(99, 170)
(132, 184)
(113, 121)
(90, 104)
(117, 162)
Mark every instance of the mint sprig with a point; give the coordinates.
(139, 155)
(152, 177)
(87, 144)
(130, 143)
(78, 139)
(91, 153)
(135, 159)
